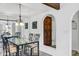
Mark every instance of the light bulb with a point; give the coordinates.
(6, 26)
(22, 24)
(17, 24)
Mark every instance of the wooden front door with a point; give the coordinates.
(48, 31)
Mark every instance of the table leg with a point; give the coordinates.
(17, 53)
(22, 50)
(38, 48)
(6, 49)
(31, 52)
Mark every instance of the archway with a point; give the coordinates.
(75, 34)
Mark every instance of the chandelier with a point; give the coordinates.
(19, 22)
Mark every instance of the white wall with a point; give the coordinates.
(25, 32)
(63, 18)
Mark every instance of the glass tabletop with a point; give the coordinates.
(7, 35)
(19, 41)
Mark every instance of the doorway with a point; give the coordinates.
(48, 31)
(75, 34)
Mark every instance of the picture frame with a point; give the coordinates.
(34, 25)
(26, 25)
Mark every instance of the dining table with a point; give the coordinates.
(21, 42)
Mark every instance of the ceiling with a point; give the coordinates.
(28, 9)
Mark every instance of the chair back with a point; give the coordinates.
(36, 37)
(30, 36)
(7, 33)
(3, 40)
(18, 34)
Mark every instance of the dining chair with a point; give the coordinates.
(11, 49)
(18, 34)
(36, 37)
(4, 44)
(31, 37)
(4, 40)
(26, 48)
(33, 46)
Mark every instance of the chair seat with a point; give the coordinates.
(12, 49)
(32, 45)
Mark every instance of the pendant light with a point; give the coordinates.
(19, 22)
(7, 25)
